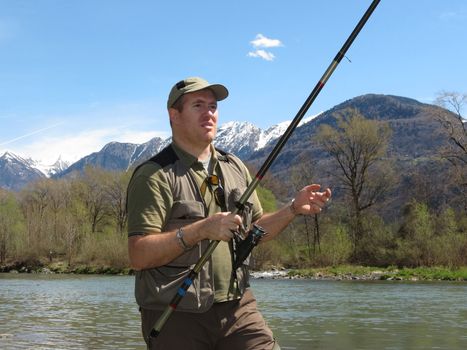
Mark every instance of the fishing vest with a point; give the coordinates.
(155, 287)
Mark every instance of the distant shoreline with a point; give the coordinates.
(62, 268)
(336, 273)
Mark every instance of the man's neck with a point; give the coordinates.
(201, 152)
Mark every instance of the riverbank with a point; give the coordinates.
(339, 273)
(353, 272)
(61, 267)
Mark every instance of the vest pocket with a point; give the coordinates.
(185, 212)
(162, 284)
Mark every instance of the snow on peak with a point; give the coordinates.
(50, 169)
(278, 130)
(240, 138)
(11, 157)
(236, 135)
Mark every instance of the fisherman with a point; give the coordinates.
(178, 202)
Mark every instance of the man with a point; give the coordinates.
(178, 202)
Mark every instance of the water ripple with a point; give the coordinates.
(99, 312)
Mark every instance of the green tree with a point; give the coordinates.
(415, 244)
(11, 223)
(358, 147)
(267, 199)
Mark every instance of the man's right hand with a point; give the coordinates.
(219, 226)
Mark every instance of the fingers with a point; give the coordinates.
(314, 200)
(321, 198)
(220, 226)
(312, 187)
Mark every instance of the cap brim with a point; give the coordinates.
(219, 90)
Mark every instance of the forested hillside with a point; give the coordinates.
(394, 164)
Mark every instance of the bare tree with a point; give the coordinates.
(302, 175)
(91, 191)
(358, 147)
(456, 150)
(455, 127)
(115, 189)
(34, 203)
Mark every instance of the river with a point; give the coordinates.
(98, 312)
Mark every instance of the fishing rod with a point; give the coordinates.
(264, 168)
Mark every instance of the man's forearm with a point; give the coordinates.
(154, 250)
(158, 249)
(275, 223)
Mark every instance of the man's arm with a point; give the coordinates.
(157, 249)
(308, 201)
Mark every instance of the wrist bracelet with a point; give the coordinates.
(182, 242)
(292, 208)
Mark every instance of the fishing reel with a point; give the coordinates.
(244, 247)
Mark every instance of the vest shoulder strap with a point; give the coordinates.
(165, 157)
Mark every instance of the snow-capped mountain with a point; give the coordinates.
(405, 116)
(51, 170)
(16, 172)
(147, 150)
(244, 138)
(276, 131)
(240, 138)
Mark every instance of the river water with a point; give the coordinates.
(99, 312)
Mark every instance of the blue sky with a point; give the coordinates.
(75, 75)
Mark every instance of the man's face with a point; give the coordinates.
(196, 124)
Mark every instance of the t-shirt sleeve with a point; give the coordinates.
(149, 200)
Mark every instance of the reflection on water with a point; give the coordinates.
(99, 312)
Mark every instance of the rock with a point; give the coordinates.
(269, 274)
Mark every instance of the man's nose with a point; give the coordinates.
(209, 111)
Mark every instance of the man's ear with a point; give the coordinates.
(174, 115)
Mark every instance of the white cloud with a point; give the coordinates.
(263, 42)
(265, 55)
(260, 43)
(72, 136)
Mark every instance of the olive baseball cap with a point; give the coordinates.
(193, 84)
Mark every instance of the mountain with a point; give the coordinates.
(244, 138)
(240, 138)
(417, 133)
(50, 170)
(417, 136)
(16, 172)
(413, 152)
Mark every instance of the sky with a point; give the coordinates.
(77, 74)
